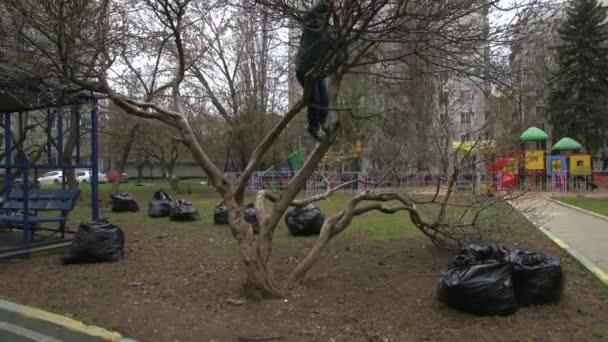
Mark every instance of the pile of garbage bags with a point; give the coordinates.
(304, 220)
(160, 204)
(124, 202)
(96, 242)
(496, 280)
(220, 215)
(182, 210)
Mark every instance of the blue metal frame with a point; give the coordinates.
(23, 164)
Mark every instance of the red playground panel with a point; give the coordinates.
(600, 180)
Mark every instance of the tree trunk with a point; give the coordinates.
(255, 251)
(70, 145)
(140, 172)
(243, 151)
(124, 157)
(171, 178)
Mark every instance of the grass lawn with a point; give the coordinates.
(375, 282)
(597, 205)
(375, 226)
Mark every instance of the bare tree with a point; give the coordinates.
(176, 45)
(124, 133)
(158, 144)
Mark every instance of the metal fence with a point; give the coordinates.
(277, 180)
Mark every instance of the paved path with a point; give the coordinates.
(20, 323)
(585, 233)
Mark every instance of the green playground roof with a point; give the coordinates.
(567, 144)
(534, 134)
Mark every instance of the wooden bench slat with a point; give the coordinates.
(21, 218)
(43, 199)
(39, 205)
(52, 194)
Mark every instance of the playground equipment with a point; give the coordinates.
(276, 179)
(476, 150)
(24, 205)
(534, 167)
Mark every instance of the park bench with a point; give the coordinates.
(60, 202)
(464, 186)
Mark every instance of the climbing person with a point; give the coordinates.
(316, 42)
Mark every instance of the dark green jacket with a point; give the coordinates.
(317, 39)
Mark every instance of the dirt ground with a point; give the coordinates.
(182, 282)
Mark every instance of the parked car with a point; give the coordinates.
(51, 177)
(112, 177)
(84, 176)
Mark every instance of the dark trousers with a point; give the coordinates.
(318, 106)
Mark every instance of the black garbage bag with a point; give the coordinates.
(182, 211)
(96, 242)
(538, 278)
(304, 220)
(480, 281)
(18, 184)
(124, 202)
(220, 214)
(249, 215)
(477, 253)
(160, 204)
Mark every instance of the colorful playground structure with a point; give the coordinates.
(276, 179)
(535, 165)
(566, 166)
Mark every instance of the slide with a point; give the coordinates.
(508, 181)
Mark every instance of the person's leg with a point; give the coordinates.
(323, 102)
(313, 110)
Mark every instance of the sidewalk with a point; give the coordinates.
(586, 234)
(20, 323)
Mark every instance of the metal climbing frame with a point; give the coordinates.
(16, 161)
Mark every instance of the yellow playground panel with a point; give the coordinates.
(471, 147)
(580, 165)
(487, 189)
(535, 160)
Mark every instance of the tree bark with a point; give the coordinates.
(124, 157)
(168, 171)
(70, 145)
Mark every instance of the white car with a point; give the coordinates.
(84, 176)
(51, 177)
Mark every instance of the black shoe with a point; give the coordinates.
(314, 133)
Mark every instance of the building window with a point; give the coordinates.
(540, 92)
(465, 95)
(465, 118)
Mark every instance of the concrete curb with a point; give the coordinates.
(588, 264)
(65, 322)
(579, 209)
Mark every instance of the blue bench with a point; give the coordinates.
(59, 201)
(464, 186)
